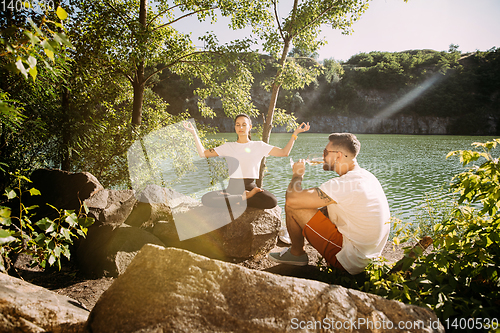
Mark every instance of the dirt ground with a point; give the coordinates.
(70, 282)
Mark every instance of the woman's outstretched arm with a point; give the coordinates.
(281, 152)
(199, 147)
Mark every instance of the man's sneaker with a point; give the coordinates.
(284, 236)
(285, 257)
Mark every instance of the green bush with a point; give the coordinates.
(45, 240)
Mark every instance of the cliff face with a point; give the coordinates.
(361, 125)
(397, 125)
(418, 91)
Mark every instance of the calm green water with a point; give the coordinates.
(407, 166)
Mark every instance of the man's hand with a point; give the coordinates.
(299, 168)
(299, 198)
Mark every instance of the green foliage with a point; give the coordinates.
(436, 206)
(23, 46)
(480, 184)
(30, 138)
(228, 77)
(34, 44)
(102, 148)
(333, 71)
(386, 70)
(459, 277)
(46, 240)
(11, 116)
(465, 89)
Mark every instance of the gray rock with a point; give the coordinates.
(151, 206)
(254, 231)
(63, 189)
(28, 308)
(179, 202)
(108, 251)
(111, 207)
(185, 292)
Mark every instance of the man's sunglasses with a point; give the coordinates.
(326, 151)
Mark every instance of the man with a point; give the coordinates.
(357, 226)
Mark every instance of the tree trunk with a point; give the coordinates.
(139, 83)
(66, 131)
(268, 121)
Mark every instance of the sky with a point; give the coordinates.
(393, 26)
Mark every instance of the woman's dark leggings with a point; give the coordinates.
(233, 193)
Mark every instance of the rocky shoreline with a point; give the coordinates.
(99, 305)
(133, 274)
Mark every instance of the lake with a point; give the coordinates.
(407, 166)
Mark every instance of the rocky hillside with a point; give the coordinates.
(411, 92)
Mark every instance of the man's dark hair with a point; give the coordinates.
(346, 141)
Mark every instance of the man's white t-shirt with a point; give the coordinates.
(248, 155)
(361, 214)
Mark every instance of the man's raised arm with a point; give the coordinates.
(298, 198)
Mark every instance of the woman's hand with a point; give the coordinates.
(189, 127)
(302, 128)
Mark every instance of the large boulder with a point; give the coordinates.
(142, 210)
(254, 231)
(108, 251)
(124, 220)
(173, 290)
(61, 189)
(28, 308)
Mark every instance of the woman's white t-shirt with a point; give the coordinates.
(361, 214)
(248, 156)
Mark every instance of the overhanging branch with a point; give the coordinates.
(121, 16)
(278, 20)
(183, 16)
(178, 60)
(315, 19)
(161, 13)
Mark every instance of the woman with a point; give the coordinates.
(247, 155)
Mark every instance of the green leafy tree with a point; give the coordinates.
(27, 33)
(332, 71)
(301, 29)
(139, 41)
(125, 48)
(34, 61)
